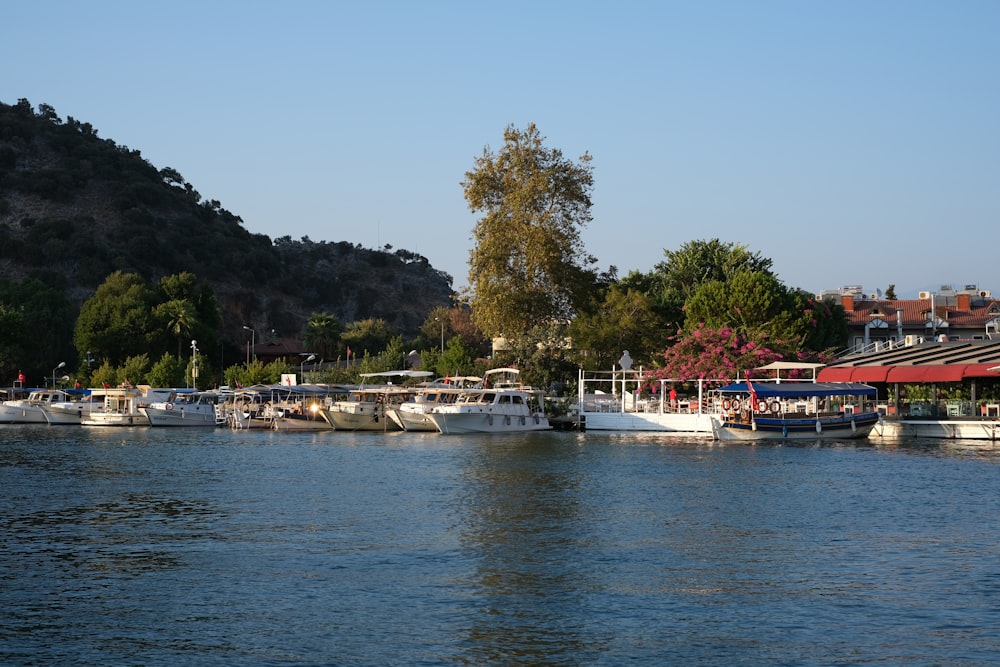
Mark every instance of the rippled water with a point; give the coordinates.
(190, 547)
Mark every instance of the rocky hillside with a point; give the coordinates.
(75, 207)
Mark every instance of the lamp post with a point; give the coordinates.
(253, 344)
(302, 366)
(194, 364)
(61, 365)
(438, 319)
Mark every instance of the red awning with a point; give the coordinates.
(938, 373)
(870, 374)
(835, 374)
(908, 374)
(981, 371)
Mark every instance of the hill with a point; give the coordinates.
(74, 208)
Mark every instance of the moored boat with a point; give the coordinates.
(31, 410)
(414, 414)
(789, 410)
(122, 405)
(621, 400)
(365, 407)
(187, 408)
(502, 405)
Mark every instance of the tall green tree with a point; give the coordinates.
(760, 309)
(323, 331)
(625, 320)
(117, 322)
(34, 328)
(673, 281)
(528, 265)
(370, 336)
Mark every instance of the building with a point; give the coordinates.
(876, 323)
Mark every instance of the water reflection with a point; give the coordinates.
(525, 530)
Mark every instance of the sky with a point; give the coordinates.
(851, 142)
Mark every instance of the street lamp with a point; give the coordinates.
(61, 365)
(253, 344)
(438, 319)
(302, 366)
(194, 364)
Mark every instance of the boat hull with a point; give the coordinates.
(694, 425)
(360, 417)
(182, 417)
(22, 414)
(453, 423)
(974, 429)
(821, 428)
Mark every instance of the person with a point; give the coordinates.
(673, 396)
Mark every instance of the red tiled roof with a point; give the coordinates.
(915, 312)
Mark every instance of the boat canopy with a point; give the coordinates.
(798, 389)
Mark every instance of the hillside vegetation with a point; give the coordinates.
(74, 208)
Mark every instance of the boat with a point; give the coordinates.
(79, 404)
(501, 405)
(248, 408)
(365, 407)
(413, 415)
(186, 407)
(299, 407)
(122, 405)
(621, 400)
(791, 410)
(30, 409)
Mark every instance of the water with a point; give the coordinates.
(191, 547)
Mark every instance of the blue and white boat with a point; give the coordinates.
(789, 410)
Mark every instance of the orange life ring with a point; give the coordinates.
(726, 404)
(736, 404)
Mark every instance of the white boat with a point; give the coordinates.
(188, 408)
(365, 407)
(80, 404)
(789, 410)
(627, 400)
(502, 405)
(31, 410)
(122, 405)
(414, 415)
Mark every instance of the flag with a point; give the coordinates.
(753, 396)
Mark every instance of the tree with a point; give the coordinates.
(370, 335)
(179, 317)
(759, 308)
(673, 281)
(528, 265)
(117, 321)
(625, 320)
(322, 337)
(167, 372)
(890, 292)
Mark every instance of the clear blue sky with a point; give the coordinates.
(852, 142)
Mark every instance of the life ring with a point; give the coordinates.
(726, 404)
(736, 405)
(774, 407)
(170, 406)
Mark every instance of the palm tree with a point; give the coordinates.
(180, 317)
(323, 334)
